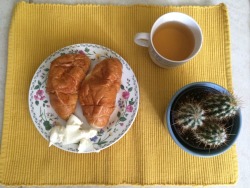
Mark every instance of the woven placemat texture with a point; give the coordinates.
(146, 155)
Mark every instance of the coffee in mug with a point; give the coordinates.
(174, 39)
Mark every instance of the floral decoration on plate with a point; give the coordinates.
(127, 100)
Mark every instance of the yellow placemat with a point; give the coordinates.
(146, 155)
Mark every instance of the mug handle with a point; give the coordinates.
(142, 39)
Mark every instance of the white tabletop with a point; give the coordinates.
(239, 12)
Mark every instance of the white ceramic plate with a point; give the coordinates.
(127, 100)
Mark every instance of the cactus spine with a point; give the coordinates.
(190, 116)
(211, 134)
(220, 106)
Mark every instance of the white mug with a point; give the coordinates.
(146, 39)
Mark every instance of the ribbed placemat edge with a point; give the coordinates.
(119, 5)
(227, 49)
(229, 72)
(8, 84)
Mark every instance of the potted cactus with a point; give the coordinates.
(204, 119)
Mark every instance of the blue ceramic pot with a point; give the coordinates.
(197, 90)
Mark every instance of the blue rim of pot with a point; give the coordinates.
(188, 148)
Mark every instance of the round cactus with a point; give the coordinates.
(211, 134)
(190, 116)
(220, 106)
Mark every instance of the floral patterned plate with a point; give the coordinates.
(127, 100)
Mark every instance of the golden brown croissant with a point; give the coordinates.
(98, 92)
(65, 76)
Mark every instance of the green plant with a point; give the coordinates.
(207, 118)
(220, 106)
(190, 116)
(212, 134)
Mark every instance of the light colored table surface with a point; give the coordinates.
(239, 12)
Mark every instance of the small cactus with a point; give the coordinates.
(211, 134)
(220, 106)
(190, 116)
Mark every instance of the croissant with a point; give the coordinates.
(98, 92)
(64, 79)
